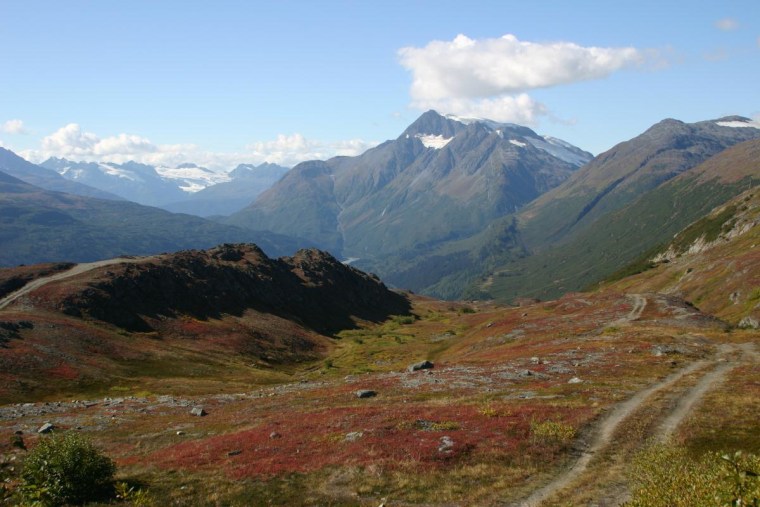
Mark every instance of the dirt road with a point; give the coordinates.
(713, 373)
(40, 282)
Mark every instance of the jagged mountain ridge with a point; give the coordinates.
(187, 188)
(45, 178)
(457, 175)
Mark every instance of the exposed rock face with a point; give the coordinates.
(311, 288)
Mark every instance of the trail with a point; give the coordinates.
(684, 406)
(40, 282)
(603, 436)
(639, 304)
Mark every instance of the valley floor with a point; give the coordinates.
(541, 405)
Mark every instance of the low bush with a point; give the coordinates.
(667, 476)
(66, 469)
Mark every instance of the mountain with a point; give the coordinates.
(713, 263)
(141, 183)
(13, 165)
(623, 203)
(443, 178)
(245, 183)
(229, 309)
(37, 225)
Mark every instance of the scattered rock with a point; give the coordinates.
(423, 365)
(446, 445)
(180, 433)
(526, 373)
(198, 411)
(365, 393)
(46, 428)
(575, 380)
(749, 323)
(535, 360)
(274, 435)
(734, 297)
(235, 452)
(353, 436)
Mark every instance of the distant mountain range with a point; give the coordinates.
(182, 189)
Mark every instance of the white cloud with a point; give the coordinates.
(727, 24)
(14, 127)
(73, 143)
(288, 150)
(493, 75)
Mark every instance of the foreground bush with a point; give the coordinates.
(667, 476)
(66, 469)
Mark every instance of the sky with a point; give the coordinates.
(228, 82)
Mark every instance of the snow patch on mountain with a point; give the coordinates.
(559, 149)
(191, 178)
(433, 141)
(740, 124)
(518, 143)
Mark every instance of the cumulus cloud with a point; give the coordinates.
(494, 75)
(73, 143)
(14, 127)
(288, 150)
(727, 24)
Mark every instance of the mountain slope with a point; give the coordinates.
(40, 226)
(714, 263)
(456, 174)
(12, 164)
(618, 237)
(627, 171)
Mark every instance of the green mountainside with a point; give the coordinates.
(37, 225)
(567, 250)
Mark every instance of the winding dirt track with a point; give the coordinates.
(40, 282)
(715, 372)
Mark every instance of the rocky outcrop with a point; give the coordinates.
(311, 288)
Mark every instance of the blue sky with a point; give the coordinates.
(226, 82)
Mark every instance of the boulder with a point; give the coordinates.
(423, 365)
(198, 411)
(365, 393)
(46, 428)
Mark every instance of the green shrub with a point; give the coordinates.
(551, 432)
(667, 476)
(66, 469)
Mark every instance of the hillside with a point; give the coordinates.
(230, 307)
(621, 223)
(714, 263)
(43, 226)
